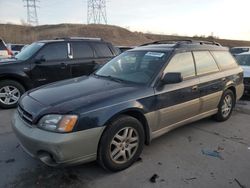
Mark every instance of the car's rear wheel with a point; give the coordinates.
(10, 93)
(226, 106)
(121, 143)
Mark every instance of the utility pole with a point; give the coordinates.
(97, 12)
(31, 6)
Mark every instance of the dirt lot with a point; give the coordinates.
(182, 158)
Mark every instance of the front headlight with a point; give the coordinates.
(58, 123)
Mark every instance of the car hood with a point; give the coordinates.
(246, 71)
(85, 93)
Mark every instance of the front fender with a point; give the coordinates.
(99, 117)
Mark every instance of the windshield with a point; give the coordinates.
(135, 66)
(28, 51)
(243, 60)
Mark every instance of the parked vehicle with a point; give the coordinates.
(121, 49)
(48, 61)
(4, 51)
(136, 97)
(244, 61)
(238, 50)
(15, 48)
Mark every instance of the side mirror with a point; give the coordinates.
(40, 60)
(172, 78)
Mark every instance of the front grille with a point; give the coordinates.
(27, 117)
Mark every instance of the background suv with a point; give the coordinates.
(134, 98)
(244, 61)
(238, 50)
(48, 61)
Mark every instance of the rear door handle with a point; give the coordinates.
(223, 79)
(63, 65)
(194, 88)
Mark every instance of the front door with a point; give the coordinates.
(181, 101)
(51, 64)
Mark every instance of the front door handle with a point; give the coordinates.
(223, 79)
(194, 88)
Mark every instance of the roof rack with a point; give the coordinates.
(78, 38)
(177, 43)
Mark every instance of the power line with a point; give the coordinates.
(97, 12)
(31, 6)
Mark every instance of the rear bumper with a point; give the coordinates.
(55, 148)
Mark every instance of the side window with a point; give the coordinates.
(224, 59)
(102, 50)
(205, 63)
(183, 63)
(53, 51)
(82, 50)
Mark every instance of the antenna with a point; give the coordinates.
(31, 6)
(97, 12)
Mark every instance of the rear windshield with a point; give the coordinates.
(243, 60)
(2, 45)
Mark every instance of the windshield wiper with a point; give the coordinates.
(110, 78)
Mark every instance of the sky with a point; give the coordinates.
(221, 18)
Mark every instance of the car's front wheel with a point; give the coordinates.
(10, 93)
(226, 106)
(121, 143)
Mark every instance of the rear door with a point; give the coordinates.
(178, 102)
(51, 64)
(82, 60)
(211, 80)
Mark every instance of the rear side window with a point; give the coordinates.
(183, 63)
(2, 46)
(53, 51)
(82, 50)
(224, 59)
(205, 63)
(102, 50)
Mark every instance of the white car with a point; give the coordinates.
(244, 61)
(15, 48)
(4, 51)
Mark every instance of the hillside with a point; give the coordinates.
(116, 35)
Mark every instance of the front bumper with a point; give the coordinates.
(56, 148)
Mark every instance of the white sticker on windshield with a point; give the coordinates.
(155, 54)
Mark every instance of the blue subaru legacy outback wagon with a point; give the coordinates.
(134, 98)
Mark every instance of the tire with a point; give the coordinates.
(10, 93)
(225, 108)
(120, 126)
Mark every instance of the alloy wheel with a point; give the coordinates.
(124, 145)
(9, 95)
(227, 105)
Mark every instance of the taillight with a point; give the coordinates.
(9, 52)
